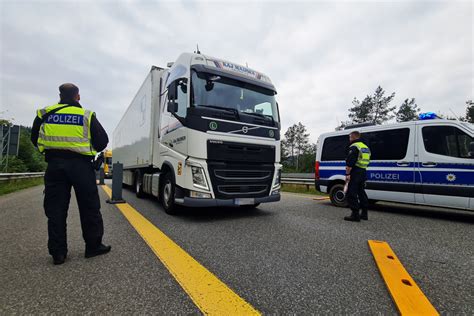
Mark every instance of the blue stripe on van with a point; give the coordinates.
(466, 166)
(418, 176)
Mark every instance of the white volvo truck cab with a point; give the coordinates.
(205, 132)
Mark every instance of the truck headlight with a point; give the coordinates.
(277, 178)
(199, 179)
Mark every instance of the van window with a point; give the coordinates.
(388, 144)
(447, 141)
(335, 148)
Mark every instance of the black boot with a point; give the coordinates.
(59, 259)
(102, 249)
(364, 215)
(354, 217)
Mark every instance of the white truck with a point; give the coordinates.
(202, 132)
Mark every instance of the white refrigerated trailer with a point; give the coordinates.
(203, 132)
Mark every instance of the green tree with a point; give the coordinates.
(301, 141)
(290, 143)
(15, 164)
(308, 158)
(294, 145)
(361, 112)
(470, 111)
(382, 111)
(30, 156)
(408, 111)
(374, 108)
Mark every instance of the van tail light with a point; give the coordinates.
(316, 170)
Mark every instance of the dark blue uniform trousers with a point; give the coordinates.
(60, 176)
(356, 196)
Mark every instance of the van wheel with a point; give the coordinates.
(167, 194)
(337, 196)
(139, 184)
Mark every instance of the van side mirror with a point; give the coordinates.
(471, 149)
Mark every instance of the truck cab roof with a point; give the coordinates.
(186, 61)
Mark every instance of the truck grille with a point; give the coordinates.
(231, 180)
(237, 190)
(239, 170)
(237, 175)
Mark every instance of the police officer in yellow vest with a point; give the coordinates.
(357, 162)
(70, 136)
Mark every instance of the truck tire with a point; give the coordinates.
(167, 194)
(337, 196)
(138, 185)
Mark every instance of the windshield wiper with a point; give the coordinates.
(261, 115)
(236, 113)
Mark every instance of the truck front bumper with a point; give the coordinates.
(195, 202)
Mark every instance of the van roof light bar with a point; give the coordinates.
(428, 116)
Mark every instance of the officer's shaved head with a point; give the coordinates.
(69, 91)
(354, 135)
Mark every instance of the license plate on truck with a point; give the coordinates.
(244, 201)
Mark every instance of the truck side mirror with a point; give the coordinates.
(471, 149)
(172, 91)
(172, 106)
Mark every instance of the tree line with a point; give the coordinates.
(377, 109)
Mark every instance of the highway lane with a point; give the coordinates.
(127, 280)
(295, 256)
(298, 255)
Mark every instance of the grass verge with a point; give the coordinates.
(20, 184)
(298, 188)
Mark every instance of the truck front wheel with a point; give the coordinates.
(167, 194)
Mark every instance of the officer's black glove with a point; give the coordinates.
(98, 161)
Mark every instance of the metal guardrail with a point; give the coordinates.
(297, 178)
(289, 178)
(20, 175)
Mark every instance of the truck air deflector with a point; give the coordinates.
(228, 74)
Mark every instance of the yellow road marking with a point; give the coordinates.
(209, 293)
(406, 294)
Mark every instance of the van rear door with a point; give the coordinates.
(446, 171)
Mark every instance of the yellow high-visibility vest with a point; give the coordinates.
(67, 129)
(363, 160)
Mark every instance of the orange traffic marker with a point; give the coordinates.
(406, 294)
(322, 198)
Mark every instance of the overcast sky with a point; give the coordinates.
(320, 55)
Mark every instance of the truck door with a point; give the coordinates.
(446, 171)
(172, 134)
(390, 176)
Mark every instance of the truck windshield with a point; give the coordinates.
(231, 95)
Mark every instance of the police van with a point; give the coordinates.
(426, 162)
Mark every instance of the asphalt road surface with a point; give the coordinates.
(297, 256)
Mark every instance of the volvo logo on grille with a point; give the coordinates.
(245, 129)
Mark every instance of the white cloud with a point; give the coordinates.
(319, 55)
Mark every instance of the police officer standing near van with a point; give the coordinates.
(70, 137)
(357, 162)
